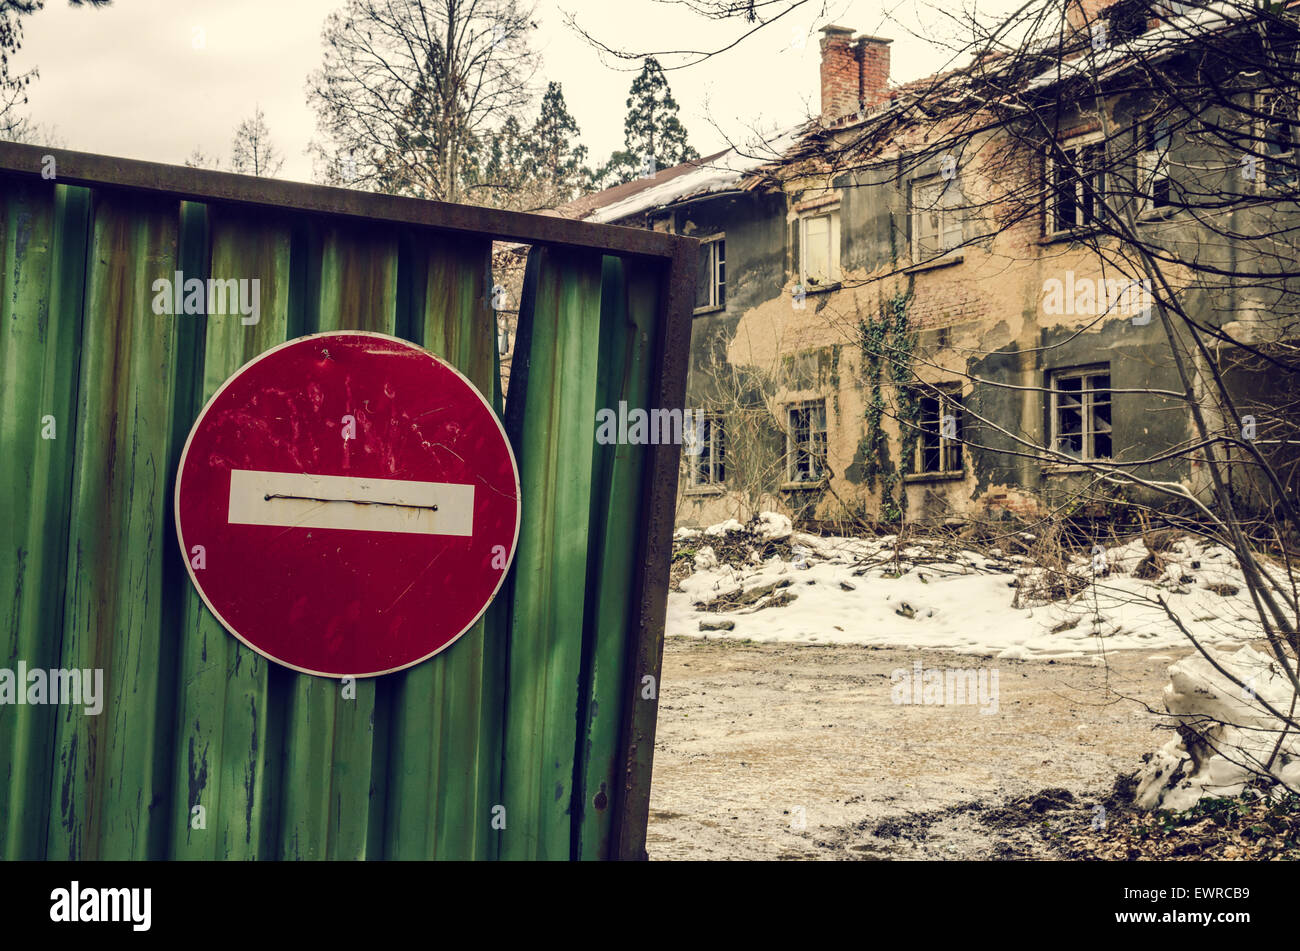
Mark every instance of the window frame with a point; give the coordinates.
(944, 211)
(713, 455)
(1153, 166)
(832, 216)
(816, 454)
(945, 395)
(1087, 405)
(1075, 144)
(715, 246)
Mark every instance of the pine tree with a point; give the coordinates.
(653, 136)
(504, 177)
(556, 159)
(529, 169)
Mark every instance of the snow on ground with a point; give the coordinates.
(1234, 730)
(852, 591)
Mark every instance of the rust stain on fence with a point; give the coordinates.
(205, 749)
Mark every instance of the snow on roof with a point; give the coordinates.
(714, 174)
(729, 168)
(1169, 35)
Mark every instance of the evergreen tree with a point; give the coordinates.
(653, 136)
(556, 159)
(499, 172)
(528, 169)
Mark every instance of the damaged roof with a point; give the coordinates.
(743, 169)
(729, 170)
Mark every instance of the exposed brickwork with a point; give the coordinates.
(854, 73)
(942, 300)
(873, 69)
(985, 295)
(840, 73)
(1010, 501)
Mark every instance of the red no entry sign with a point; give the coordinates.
(347, 504)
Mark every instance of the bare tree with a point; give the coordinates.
(735, 472)
(22, 129)
(200, 159)
(411, 92)
(251, 151)
(1156, 145)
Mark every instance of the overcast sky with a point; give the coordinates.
(129, 79)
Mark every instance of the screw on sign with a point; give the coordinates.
(357, 547)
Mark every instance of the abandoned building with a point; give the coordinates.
(901, 313)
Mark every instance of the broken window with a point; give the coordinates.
(711, 275)
(806, 442)
(938, 448)
(937, 218)
(1077, 179)
(817, 259)
(1153, 164)
(709, 467)
(1081, 413)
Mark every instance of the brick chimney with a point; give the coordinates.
(854, 73)
(841, 76)
(873, 69)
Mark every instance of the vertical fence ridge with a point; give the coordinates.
(205, 749)
(628, 323)
(553, 435)
(42, 286)
(111, 764)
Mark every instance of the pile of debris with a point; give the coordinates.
(766, 535)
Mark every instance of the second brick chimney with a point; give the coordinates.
(873, 69)
(854, 72)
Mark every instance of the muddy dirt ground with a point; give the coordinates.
(776, 752)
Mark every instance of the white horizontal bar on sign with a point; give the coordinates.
(303, 500)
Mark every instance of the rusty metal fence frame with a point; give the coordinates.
(673, 257)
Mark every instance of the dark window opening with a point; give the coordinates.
(939, 446)
(806, 442)
(1077, 186)
(709, 466)
(1081, 414)
(1154, 163)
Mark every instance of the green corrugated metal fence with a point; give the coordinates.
(533, 710)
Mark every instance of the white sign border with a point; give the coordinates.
(298, 341)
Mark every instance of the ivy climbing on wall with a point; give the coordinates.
(889, 347)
